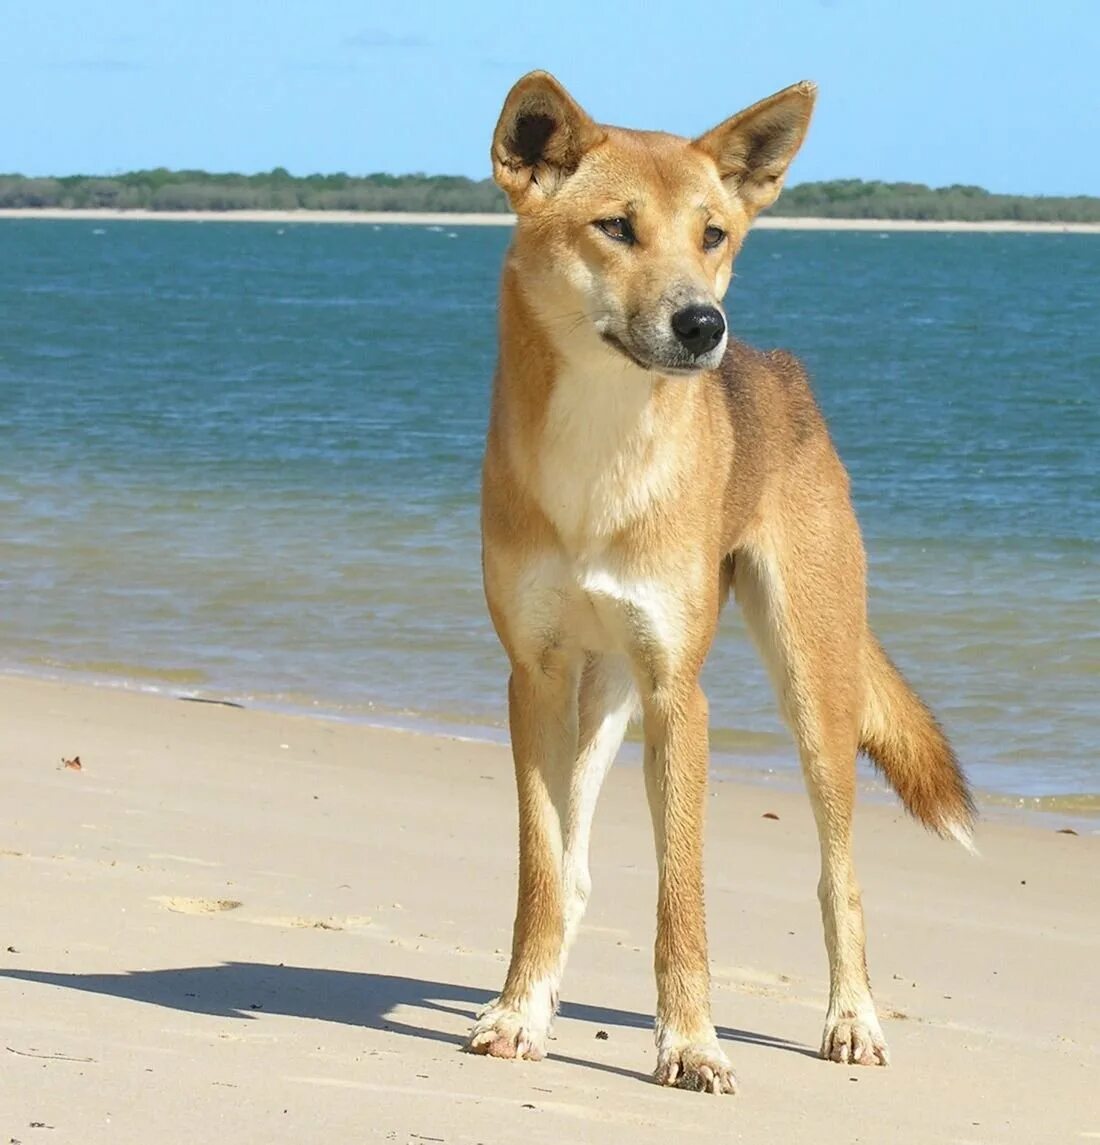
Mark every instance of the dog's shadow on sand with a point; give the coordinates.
(244, 990)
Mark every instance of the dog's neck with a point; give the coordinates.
(593, 435)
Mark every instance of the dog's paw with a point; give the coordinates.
(701, 1067)
(854, 1040)
(501, 1032)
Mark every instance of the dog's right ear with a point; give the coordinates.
(540, 138)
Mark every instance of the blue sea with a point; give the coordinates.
(241, 461)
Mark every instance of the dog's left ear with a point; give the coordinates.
(540, 139)
(754, 148)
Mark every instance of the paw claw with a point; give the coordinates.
(852, 1040)
(503, 1033)
(700, 1068)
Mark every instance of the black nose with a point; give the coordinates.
(698, 328)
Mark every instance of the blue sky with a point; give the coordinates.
(1005, 94)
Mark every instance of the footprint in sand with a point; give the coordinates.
(184, 859)
(749, 976)
(196, 906)
(760, 983)
(297, 922)
(288, 922)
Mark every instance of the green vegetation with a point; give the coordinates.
(278, 190)
(163, 190)
(857, 199)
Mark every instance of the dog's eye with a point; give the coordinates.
(618, 229)
(712, 237)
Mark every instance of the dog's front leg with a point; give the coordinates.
(688, 1054)
(542, 711)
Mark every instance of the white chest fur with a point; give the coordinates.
(606, 456)
(603, 456)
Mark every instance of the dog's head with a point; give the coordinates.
(630, 235)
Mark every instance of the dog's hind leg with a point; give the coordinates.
(803, 600)
(563, 745)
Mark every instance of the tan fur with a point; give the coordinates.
(631, 483)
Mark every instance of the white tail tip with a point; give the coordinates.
(963, 834)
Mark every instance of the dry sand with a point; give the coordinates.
(454, 219)
(237, 926)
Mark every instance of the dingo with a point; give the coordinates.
(641, 463)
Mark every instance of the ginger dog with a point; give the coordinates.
(641, 463)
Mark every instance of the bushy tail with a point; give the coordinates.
(908, 746)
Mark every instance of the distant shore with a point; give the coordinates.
(456, 219)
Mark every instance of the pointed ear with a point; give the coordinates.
(540, 138)
(755, 147)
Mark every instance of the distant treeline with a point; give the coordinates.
(278, 190)
(859, 199)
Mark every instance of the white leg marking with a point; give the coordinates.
(519, 1032)
(614, 692)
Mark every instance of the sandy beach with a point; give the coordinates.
(243, 926)
(410, 218)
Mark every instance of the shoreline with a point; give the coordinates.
(281, 927)
(755, 767)
(461, 219)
